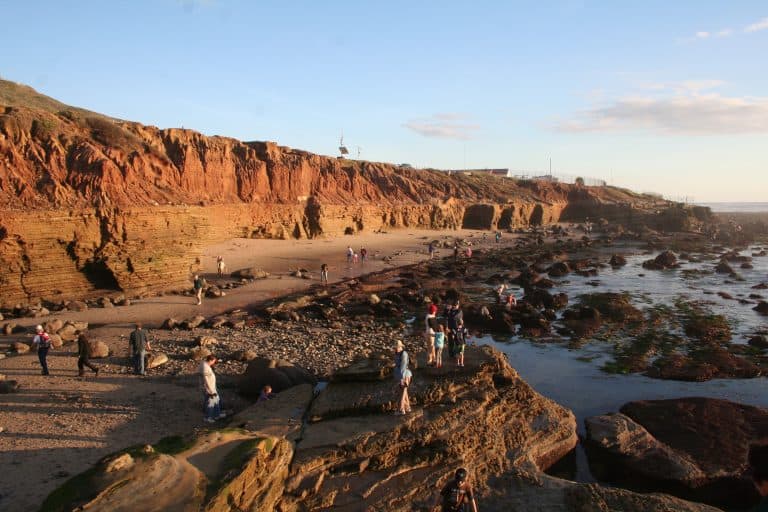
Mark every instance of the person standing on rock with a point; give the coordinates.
(431, 250)
(457, 494)
(139, 345)
(350, 254)
(324, 274)
(220, 266)
(84, 355)
(439, 345)
(454, 318)
(430, 322)
(198, 285)
(43, 343)
(211, 400)
(403, 378)
(758, 465)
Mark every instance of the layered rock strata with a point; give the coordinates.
(88, 202)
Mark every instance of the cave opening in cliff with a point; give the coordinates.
(537, 216)
(100, 276)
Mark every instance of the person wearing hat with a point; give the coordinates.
(403, 378)
(43, 343)
(457, 494)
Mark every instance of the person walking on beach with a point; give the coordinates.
(431, 250)
(350, 254)
(456, 494)
(198, 285)
(84, 355)
(498, 236)
(211, 399)
(139, 345)
(402, 377)
(43, 344)
(363, 254)
(456, 252)
(220, 266)
(758, 466)
(324, 274)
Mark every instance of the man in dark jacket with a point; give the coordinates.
(84, 355)
(139, 346)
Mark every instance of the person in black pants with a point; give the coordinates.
(83, 356)
(43, 343)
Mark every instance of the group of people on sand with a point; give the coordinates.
(354, 257)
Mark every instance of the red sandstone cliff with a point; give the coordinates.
(89, 202)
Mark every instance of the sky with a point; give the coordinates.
(655, 96)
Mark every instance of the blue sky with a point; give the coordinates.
(669, 97)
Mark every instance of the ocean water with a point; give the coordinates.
(737, 207)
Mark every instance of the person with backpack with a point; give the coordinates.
(457, 494)
(43, 343)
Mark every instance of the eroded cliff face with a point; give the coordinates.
(88, 203)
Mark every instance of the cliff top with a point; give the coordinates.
(53, 155)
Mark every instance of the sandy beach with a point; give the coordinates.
(61, 425)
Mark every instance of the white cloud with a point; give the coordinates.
(702, 35)
(724, 33)
(683, 110)
(443, 125)
(756, 27)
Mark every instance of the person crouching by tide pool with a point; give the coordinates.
(403, 378)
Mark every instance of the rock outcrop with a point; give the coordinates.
(354, 455)
(695, 448)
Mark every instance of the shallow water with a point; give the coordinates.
(573, 377)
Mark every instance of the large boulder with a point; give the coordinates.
(665, 260)
(250, 273)
(192, 323)
(19, 347)
(280, 375)
(762, 307)
(216, 471)
(98, 349)
(156, 359)
(692, 447)
(8, 386)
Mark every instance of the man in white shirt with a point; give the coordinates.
(211, 400)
